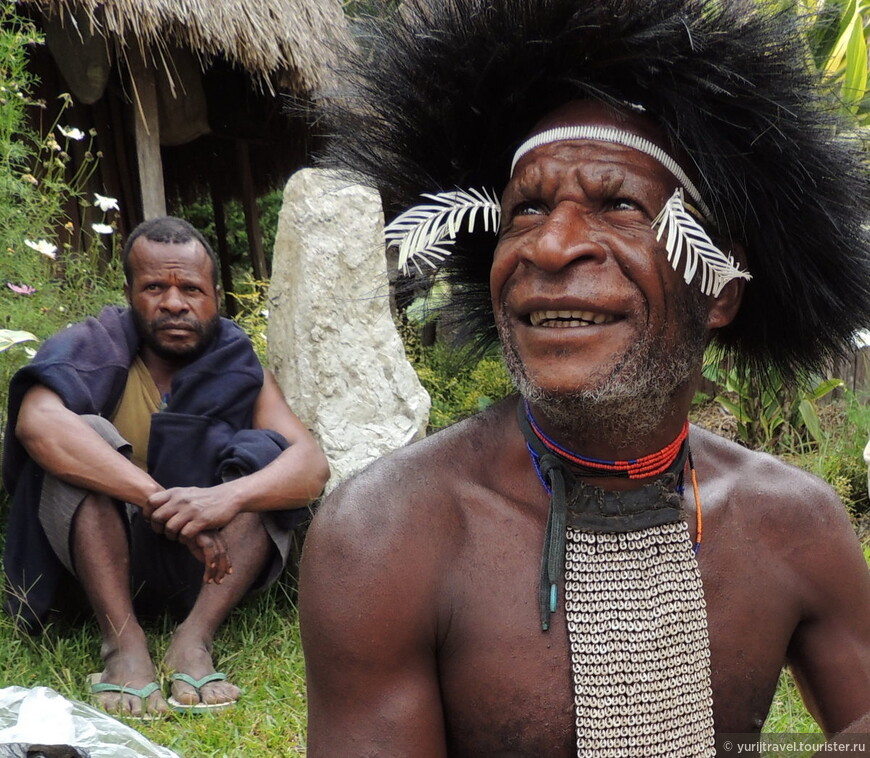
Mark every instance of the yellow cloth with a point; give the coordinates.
(132, 417)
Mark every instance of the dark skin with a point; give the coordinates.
(418, 602)
(171, 284)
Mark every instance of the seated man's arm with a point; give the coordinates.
(299, 474)
(65, 446)
(830, 651)
(368, 610)
(295, 478)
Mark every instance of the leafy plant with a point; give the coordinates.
(457, 386)
(771, 414)
(50, 274)
(10, 337)
(253, 310)
(837, 37)
(838, 459)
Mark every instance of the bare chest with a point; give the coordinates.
(506, 684)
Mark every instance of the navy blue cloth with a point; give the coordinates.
(244, 455)
(212, 401)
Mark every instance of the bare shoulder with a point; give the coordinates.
(759, 495)
(409, 504)
(378, 558)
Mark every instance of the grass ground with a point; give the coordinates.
(259, 649)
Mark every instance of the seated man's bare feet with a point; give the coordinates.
(190, 655)
(127, 684)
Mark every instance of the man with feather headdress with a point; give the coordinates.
(577, 571)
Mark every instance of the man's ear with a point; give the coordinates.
(724, 308)
(127, 293)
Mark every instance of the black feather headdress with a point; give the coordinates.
(444, 91)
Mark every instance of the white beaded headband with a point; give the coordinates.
(616, 136)
(426, 232)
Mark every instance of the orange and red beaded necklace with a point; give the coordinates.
(654, 464)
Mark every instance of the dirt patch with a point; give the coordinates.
(715, 418)
(862, 527)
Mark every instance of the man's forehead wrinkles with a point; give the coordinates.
(178, 272)
(530, 179)
(586, 153)
(564, 170)
(602, 176)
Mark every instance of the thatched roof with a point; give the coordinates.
(286, 42)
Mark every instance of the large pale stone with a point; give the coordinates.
(333, 344)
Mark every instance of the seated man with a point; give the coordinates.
(151, 456)
(577, 570)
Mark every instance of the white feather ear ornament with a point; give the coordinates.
(686, 235)
(425, 232)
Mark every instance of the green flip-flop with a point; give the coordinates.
(141, 692)
(197, 684)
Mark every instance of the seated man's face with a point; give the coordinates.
(173, 298)
(587, 304)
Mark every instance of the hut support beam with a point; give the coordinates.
(147, 134)
(252, 214)
(220, 229)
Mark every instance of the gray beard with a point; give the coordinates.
(629, 400)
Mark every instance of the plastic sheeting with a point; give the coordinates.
(41, 715)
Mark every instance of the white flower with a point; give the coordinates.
(102, 228)
(105, 203)
(71, 133)
(42, 246)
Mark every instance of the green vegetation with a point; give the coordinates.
(259, 649)
(837, 457)
(252, 312)
(837, 41)
(771, 414)
(48, 278)
(801, 425)
(457, 387)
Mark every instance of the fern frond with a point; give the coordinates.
(684, 234)
(425, 232)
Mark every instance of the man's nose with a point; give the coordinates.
(569, 235)
(173, 301)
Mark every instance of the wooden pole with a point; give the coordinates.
(252, 214)
(147, 134)
(119, 122)
(220, 229)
